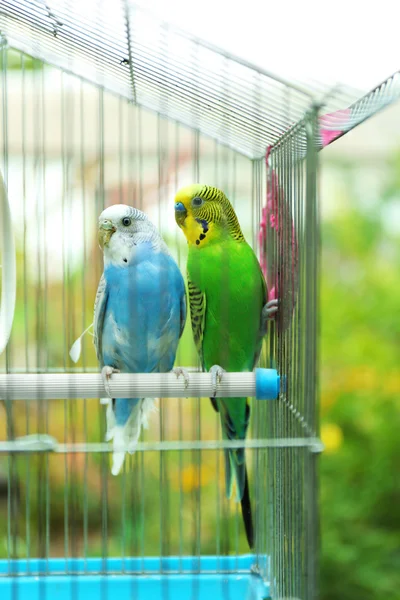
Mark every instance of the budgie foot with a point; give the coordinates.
(217, 373)
(106, 373)
(268, 312)
(181, 372)
(270, 309)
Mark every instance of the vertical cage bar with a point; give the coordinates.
(312, 325)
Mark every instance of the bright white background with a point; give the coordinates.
(343, 41)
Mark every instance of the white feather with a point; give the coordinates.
(75, 351)
(122, 244)
(76, 347)
(125, 437)
(110, 417)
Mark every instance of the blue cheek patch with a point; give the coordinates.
(204, 224)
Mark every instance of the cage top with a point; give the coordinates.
(124, 49)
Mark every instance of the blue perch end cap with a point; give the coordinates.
(267, 384)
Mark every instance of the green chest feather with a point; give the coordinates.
(226, 293)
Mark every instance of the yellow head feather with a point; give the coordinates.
(205, 215)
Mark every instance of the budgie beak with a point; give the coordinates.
(106, 229)
(180, 213)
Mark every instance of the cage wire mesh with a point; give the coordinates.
(78, 149)
(99, 108)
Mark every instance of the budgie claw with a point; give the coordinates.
(106, 373)
(180, 371)
(268, 312)
(270, 309)
(217, 373)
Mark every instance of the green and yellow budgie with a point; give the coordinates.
(229, 310)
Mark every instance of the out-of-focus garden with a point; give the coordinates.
(359, 383)
(360, 376)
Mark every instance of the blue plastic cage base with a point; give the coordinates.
(207, 577)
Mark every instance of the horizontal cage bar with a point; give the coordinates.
(47, 443)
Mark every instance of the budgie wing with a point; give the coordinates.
(183, 311)
(99, 311)
(197, 303)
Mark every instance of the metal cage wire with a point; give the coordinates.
(181, 455)
(127, 50)
(130, 110)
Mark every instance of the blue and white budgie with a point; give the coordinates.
(139, 316)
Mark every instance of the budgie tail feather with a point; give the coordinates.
(126, 436)
(246, 512)
(235, 470)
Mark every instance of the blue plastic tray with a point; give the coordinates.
(215, 578)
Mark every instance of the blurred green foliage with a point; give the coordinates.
(16, 60)
(360, 397)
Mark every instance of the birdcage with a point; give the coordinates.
(105, 104)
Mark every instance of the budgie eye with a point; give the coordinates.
(196, 202)
(126, 221)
